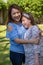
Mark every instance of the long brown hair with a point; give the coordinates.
(10, 9)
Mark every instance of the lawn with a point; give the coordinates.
(4, 46)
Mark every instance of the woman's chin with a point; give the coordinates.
(17, 20)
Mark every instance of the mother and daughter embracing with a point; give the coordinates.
(24, 37)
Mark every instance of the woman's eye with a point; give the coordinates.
(23, 20)
(17, 12)
(14, 13)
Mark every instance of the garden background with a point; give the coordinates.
(33, 6)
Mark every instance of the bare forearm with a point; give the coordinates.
(35, 41)
(36, 60)
(22, 41)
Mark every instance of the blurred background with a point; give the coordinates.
(33, 6)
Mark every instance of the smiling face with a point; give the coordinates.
(26, 22)
(15, 14)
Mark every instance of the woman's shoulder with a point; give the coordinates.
(11, 26)
(35, 27)
(23, 28)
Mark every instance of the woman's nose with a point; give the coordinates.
(16, 14)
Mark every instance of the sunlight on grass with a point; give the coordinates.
(2, 31)
(4, 54)
(2, 27)
(41, 26)
(4, 47)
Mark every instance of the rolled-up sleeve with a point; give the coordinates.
(13, 34)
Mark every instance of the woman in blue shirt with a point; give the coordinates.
(13, 25)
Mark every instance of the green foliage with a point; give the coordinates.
(33, 6)
(3, 5)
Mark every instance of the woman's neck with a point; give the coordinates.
(16, 22)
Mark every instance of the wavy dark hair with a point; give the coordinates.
(9, 12)
(29, 16)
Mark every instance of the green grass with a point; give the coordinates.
(41, 26)
(4, 46)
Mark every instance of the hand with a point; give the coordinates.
(37, 40)
(36, 62)
(36, 59)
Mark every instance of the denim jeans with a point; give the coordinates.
(17, 58)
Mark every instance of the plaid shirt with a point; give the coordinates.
(31, 33)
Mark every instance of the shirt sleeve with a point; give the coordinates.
(11, 34)
(34, 32)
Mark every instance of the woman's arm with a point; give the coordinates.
(34, 39)
(21, 41)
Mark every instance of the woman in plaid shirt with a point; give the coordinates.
(31, 50)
